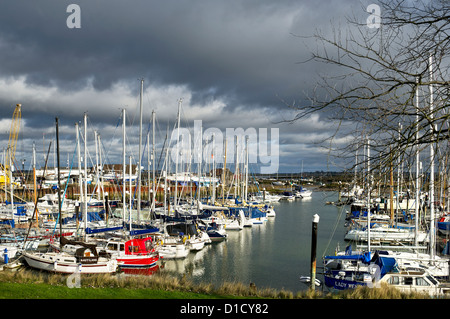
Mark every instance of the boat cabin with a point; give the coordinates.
(139, 246)
(135, 246)
(416, 281)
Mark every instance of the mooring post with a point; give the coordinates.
(315, 222)
(106, 208)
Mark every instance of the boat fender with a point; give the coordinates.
(5, 256)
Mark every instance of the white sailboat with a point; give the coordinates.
(386, 234)
(85, 258)
(407, 271)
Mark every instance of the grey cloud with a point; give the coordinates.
(241, 52)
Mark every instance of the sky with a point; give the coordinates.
(235, 64)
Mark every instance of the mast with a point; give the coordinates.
(246, 167)
(34, 183)
(223, 173)
(131, 196)
(5, 171)
(85, 174)
(214, 170)
(391, 193)
(11, 184)
(176, 156)
(399, 171)
(166, 163)
(139, 156)
(153, 162)
(149, 158)
(80, 178)
(199, 167)
(97, 176)
(356, 168)
(432, 228)
(369, 177)
(101, 171)
(124, 185)
(59, 183)
(416, 208)
(236, 169)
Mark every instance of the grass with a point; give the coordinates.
(27, 284)
(41, 285)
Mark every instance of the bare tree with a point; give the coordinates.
(382, 81)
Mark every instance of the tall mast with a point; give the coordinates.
(59, 183)
(416, 218)
(149, 159)
(176, 156)
(11, 184)
(101, 171)
(80, 178)
(153, 162)
(368, 194)
(432, 228)
(246, 167)
(140, 155)
(399, 171)
(214, 170)
(224, 173)
(199, 167)
(85, 174)
(124, 204)
(34, 182)
(166, 164)
(131, 197)
(236, 169)
(6, 160)
(97, 176)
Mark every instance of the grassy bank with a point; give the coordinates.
(26, 284)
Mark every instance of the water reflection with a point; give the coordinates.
(191, 265)
(146, 271)
(274, 254)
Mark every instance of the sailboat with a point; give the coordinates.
(350, 270)
(216, 232)
(386, 234)
(407, 271)
(84, 259)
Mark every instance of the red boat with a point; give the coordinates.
(137, 252)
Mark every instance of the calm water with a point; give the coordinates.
(273, 255)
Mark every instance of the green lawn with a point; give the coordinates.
(25, 284)
(9, 290)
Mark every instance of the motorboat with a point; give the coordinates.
(136, 252)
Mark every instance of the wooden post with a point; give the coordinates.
(313, 250)
(106, 208)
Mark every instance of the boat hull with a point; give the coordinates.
(444, 227)
(341, 284)
(173, 251)
(137, 261)
(63, 263)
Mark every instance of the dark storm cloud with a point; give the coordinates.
(231, 48)
(240, 52)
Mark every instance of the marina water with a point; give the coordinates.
(273, 255)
